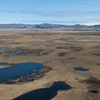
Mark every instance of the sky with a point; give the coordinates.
(68, 12)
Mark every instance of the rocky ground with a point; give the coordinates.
(61, 51)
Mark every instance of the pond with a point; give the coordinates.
(44, 93)
(94, 81)
(80, 69)
(94, 91)
(20, 51)
(43, 55)
(33, 55)
(18, 70)
(14, 53)
(3, 48)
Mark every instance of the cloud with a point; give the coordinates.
(58, 14)
(62, 17)
(91, 23)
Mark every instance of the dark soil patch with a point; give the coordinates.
(96, 54)
(63, 47)
(76, 48)
(62, 53)
(71, 58)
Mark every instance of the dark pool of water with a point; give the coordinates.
(96, 54)
(33, 55)
(80, 69)
(21, 54)
(18, 70)
(9, 42)
(46, 53)
(3, 48)
(19, 51)
(3, 39)
(44, 93)
(43, 55)
(37, 55)
(94, 91)
(14, 53)
(94, 81)
(98, 63)
(43, 44)
(3, 63)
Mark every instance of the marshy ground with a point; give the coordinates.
(62, 52)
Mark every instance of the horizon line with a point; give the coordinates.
(50, 23)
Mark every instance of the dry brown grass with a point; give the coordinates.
(79, 48)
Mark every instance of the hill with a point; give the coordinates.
(46, 26)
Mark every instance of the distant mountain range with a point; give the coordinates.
(46, 26)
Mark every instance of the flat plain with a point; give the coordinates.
(60, 50)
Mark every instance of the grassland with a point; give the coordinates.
(69, 49)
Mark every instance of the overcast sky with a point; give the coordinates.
(67, 12)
